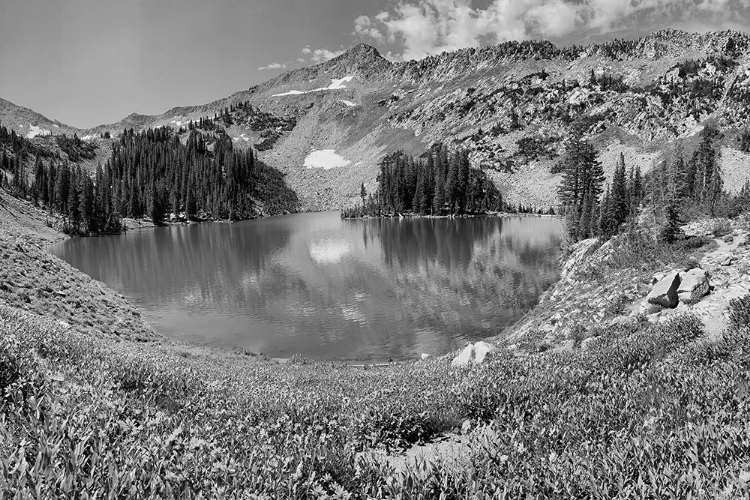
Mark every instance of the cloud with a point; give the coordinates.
(273, 66)
(318, 55)
(363, 28)
(425, 27)
(321, 55)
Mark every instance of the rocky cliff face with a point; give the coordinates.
(327, 126)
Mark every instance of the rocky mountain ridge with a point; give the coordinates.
(512, 105)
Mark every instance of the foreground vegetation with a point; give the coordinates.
(646, 411)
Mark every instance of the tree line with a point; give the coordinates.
(672, 188)
(590, 209)
(153, 174)
(437, 183)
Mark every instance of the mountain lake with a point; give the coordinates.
(324, 288)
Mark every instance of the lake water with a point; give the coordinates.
(325, 288)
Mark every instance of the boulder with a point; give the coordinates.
(475, 353)
(425, 356)
(481, 350)
(664, 293)
(465, 357)
(694, 286)
(657, 278)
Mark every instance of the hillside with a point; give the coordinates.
(327, 126)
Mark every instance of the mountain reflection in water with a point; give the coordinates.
(315, 285)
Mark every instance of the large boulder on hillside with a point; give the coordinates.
(473, 353)
(465, 357)
(664, 293)
(694, 286)
(481, 350)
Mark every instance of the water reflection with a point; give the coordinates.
(330, 289)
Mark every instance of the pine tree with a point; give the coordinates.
(572, 219)
(584, 224)
(672, 226)
(439, 198)
(463, 180)
(451, 182)
(607, 224)
(620, 205)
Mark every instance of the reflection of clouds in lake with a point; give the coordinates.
(329, 251)
(351, 313)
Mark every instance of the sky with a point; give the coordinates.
(89, 62)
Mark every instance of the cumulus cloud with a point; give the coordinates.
(273, 66)
(321, 55)
(426, 27)
(318, 55)
(363, 28)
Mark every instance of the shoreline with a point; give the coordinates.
(464, 216)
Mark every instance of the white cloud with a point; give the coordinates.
(426, 27)
(321, 55)
(363, 28)
(272, 66)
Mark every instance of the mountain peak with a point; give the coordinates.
(361, 60)
(362, 51)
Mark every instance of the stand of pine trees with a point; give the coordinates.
(152, 174)
(589, 209)
(672, 189)
(437, 183)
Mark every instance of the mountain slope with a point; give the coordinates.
(513, 105)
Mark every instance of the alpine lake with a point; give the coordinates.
(314, 285)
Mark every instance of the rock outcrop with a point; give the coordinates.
(664, 293)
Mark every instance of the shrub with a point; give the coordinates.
(721, 227)
(739, 312)
(11, 368)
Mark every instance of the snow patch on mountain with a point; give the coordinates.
(179, 123)
(291, 92)
(35, 131)
(325, 159)
(336, 84)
